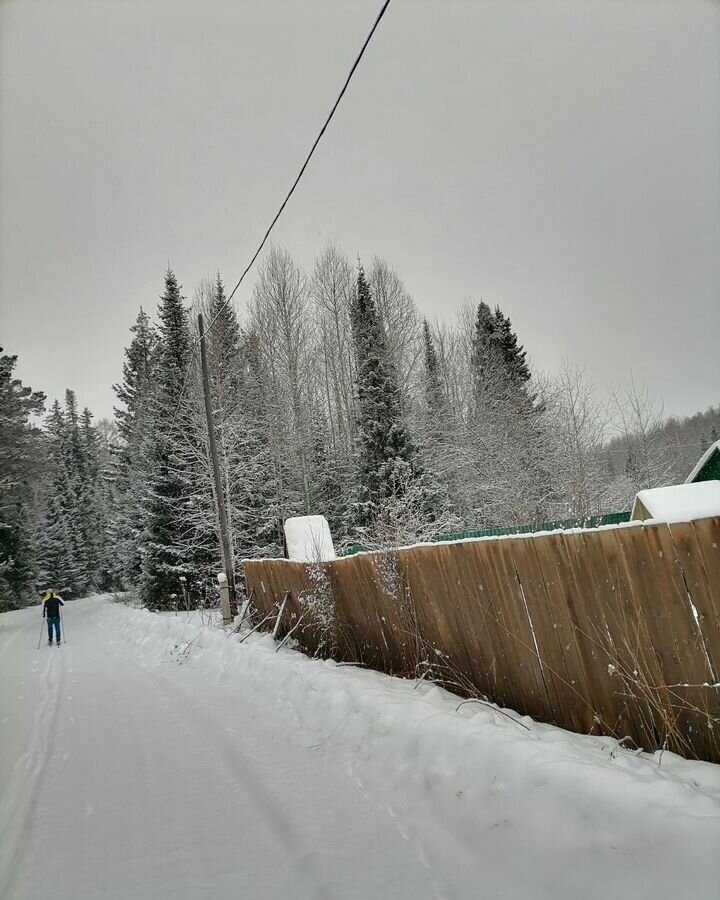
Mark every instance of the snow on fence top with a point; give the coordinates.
(308, 539)
(679, 502)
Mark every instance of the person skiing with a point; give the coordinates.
(51, 609)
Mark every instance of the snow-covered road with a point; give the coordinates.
(152, 758)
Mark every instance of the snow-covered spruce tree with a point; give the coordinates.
(442, 396)
(225, 360)
(73, 525)
(435, 400)
(254, 466)
(21, 462)
(437, 428)
(166, 489)
(507, 432)
(62, 565)
(111, 574)
(436, 416)
(101, 515)
(81, 484)
(390, 476)
(57, 568)
(513, 354)
(133, 417)
(199, 532)
(258, 474)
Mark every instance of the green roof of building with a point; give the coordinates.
(708, 467)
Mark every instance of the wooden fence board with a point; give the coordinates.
(678, 642)
(685, 587)
(560, 588)
(698, 550)
(360, 606)
(490, 595)
(551, 659)
(473, 646)
(350, 633)
(613, 615)
(585, 607)
(436, 591)
(630, 644)
(707, 535)
(523, 658)
(693, 544)
(653, 661)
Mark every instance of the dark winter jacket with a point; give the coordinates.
(51, 606)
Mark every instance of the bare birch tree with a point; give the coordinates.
(279, 316)
(331, 291)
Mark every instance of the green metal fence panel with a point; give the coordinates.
(615, 518)
(353, 549)
(587, 522)
(711, 470)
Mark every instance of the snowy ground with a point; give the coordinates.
(135, 764)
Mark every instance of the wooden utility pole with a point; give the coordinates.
(225, 548)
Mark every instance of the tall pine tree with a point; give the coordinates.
(166, 489)
(507, 432)
(21, 462)
(388, 463)
(257, 477)
(62, 562)
(136, 393)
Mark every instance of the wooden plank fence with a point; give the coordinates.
(614, 630)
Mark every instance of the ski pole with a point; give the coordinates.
(62, 628)
(42, 622)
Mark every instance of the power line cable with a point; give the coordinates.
(289, 194)
(312, 150)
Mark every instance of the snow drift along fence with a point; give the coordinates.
(615, 630)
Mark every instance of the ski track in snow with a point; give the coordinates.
(21, 796)
(243, 772)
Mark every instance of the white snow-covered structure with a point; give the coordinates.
(308, 539)
(678, 502)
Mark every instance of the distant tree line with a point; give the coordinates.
(331, 395)
(57, 496)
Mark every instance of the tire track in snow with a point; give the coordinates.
(20, 800)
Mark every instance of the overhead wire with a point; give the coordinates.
(295, 183)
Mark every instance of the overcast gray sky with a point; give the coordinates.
(560, 158)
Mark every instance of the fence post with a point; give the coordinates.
(183, 582)
(224, 598)
(246, 605)
(280, 615)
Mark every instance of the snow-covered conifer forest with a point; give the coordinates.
(332, 395)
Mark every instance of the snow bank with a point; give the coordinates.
(308, 539)
(680, 502)
(483, 774)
